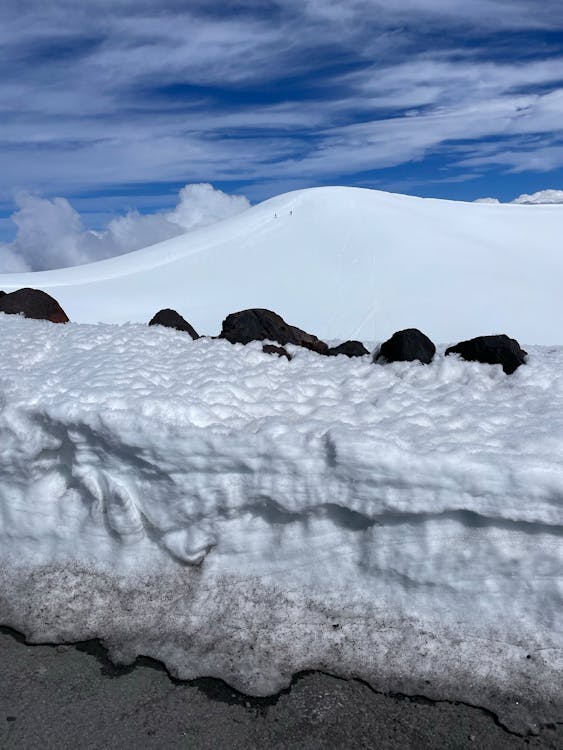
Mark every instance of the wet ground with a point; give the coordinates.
(58, 697)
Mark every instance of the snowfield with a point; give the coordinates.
(342, 263)
(238, 515)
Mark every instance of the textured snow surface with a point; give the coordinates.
(341, 263)
(238, 515)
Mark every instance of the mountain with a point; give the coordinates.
(341, 263)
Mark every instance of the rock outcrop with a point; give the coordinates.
(33, 303)
(279, 350)
(172, 319)
(491, 350)
(349, 348)
(258, 324)
(408, 345)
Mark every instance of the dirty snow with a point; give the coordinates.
(238, 515)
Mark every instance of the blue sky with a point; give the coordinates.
(115, 104)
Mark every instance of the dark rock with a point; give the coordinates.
(258, 324)
(171, 319)
(33, 303)
(349, 348)
(2, 294)
(491, 350)
(279, 350)
(407, 346)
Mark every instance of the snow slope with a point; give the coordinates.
(341, 263)
(238, 515)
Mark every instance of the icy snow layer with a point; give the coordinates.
(341, 263)
(238, 515)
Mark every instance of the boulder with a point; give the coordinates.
(491, 350)
(349, 348)
(279, 350)
(258, 324)
(171, 319)
(407, 346)
(33, 303)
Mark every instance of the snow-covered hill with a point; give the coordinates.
(243, 516)
(342, 263)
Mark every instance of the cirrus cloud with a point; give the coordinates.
(269, 96)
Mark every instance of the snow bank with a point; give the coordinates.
(341, 263)
(238, 515)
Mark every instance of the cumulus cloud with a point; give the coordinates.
(542, 196)
(51, 233)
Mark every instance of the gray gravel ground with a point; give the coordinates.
(58, 697)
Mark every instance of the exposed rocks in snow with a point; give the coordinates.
(279, 350)
(235, 260)
(172, 319)
(349, 348)
(491, 350)
(258, 324)
(33, 303)
(322, 491)
(407, 346)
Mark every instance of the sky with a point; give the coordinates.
(115, 106)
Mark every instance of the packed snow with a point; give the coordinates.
(239, 515)
(341, 263)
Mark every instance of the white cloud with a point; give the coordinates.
(151, 91)
(51, 233)
(542, 196)
(201, 205)
(478, 14)
(407, 111)
(10, 261)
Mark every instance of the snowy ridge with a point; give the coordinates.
(239, 515)
(341, 263)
